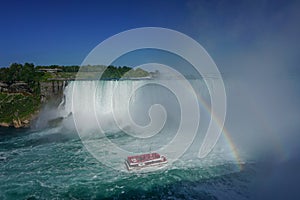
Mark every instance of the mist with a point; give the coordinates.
(258, 55)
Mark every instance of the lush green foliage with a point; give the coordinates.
(32, 75)
(112, 72)
(136, 73)
(18, 72)
(17, 106)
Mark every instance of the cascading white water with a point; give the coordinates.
(101, 100)
(92, 100)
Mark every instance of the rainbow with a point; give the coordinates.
(225, 133)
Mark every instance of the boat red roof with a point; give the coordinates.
(143, 157)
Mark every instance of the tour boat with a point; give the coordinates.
(144, 160)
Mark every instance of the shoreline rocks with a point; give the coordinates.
(20, 123)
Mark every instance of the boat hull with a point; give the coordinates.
(133, 168)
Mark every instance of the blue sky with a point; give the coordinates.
(65, 32)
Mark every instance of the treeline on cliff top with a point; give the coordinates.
(32, 74)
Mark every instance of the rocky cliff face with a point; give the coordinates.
(49, 90)
(17, 87)
(52, 90)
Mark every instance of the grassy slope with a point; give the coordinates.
(17, 106)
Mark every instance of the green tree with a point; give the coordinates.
(4, 74)
(28, 73)
(14, 72)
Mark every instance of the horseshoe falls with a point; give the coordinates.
(81, 156)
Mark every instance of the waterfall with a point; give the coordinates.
(94, 102)
(140, 108)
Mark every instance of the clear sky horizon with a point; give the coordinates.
(63, 33)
